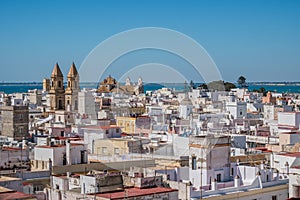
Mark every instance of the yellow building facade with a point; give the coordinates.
(127, 124)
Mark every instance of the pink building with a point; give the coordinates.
(269, 99)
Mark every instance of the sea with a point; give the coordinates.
(280, 87)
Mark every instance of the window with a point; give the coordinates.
(194, 163)
(59, 84)
(232, 171)
(104, 150)
(117, 130)
(218, 177)
(60, 105)
(64, 159)
(106, 132)
(82, 157)
(117, 151)
(274, 197)
(69, 85)
(37, 188)
(20, 129)
(75, 104)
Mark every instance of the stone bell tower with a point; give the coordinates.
(71, 94)
(57, 91)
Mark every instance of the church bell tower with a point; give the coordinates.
(57, 91)
(71, 94)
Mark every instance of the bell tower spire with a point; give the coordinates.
(57, 90)
(71, 94)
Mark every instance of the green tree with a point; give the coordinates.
(261, 90)
(242, 81)
(229, 86)
(192, 84)
(220, 86)
(203, 86)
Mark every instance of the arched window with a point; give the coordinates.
(59, 84)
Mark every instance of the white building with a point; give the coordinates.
(220, 179)
(185, 108)
(294, 182)
(288, 165)
(86, 104)
(288, 121)
(92, 133)
(237, 110)
(284, 161)
(58, 155)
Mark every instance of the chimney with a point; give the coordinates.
(287, 168)
(48, 141)
(237, 162)
(214, 184)
(237, 182)
(68, 152)
(262, 165)
(277, 174)
(23, 142)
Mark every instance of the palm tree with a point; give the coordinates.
(192, 85)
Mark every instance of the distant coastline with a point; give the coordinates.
(162, 83)
(282, 87)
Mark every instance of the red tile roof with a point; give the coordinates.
(135, 192)
(296, 167)
(11, 149)
(100, 127)
(263, 149)
(295, 154)
(58, 145)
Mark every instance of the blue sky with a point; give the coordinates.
(257, 39)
